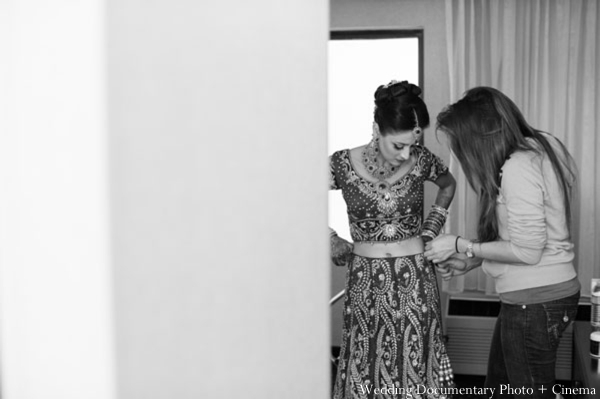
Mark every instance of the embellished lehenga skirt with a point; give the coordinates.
(392, 343)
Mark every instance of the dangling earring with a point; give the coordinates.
(417, 131)
(369, 158)
(374, 144)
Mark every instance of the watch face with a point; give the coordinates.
(469, 252)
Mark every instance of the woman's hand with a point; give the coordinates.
(444, 271)
(440, 248)
(457, 265)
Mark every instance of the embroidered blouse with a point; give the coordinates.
(384, 211)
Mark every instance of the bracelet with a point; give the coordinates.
(456, 244)
(440, 209)
(434, 222)
(429, 234)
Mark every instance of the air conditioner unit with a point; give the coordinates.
(470, 323)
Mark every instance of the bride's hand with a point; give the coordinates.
(341, 251)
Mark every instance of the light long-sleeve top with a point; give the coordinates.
(531, 216)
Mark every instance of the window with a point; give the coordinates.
(360, 61)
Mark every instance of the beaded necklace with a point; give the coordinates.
(369, 159)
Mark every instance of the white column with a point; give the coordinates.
(219, 177)
(55, 278)
(163, 199)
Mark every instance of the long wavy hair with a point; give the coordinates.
(484, 128)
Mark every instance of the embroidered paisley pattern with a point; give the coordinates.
(392, 330)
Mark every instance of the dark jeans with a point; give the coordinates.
(522, 358)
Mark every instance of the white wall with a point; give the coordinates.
(163, 199)
(55, 294)
(428, 15)
(219, 178)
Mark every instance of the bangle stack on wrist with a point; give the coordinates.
(434, 222)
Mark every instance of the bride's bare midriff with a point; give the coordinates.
(411, 246)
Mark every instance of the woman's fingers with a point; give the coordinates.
(454, 264)
(447, 275)
(441, 268)
(437, 257)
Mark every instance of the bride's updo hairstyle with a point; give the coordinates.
(398, 106)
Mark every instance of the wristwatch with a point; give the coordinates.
(469, 250)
